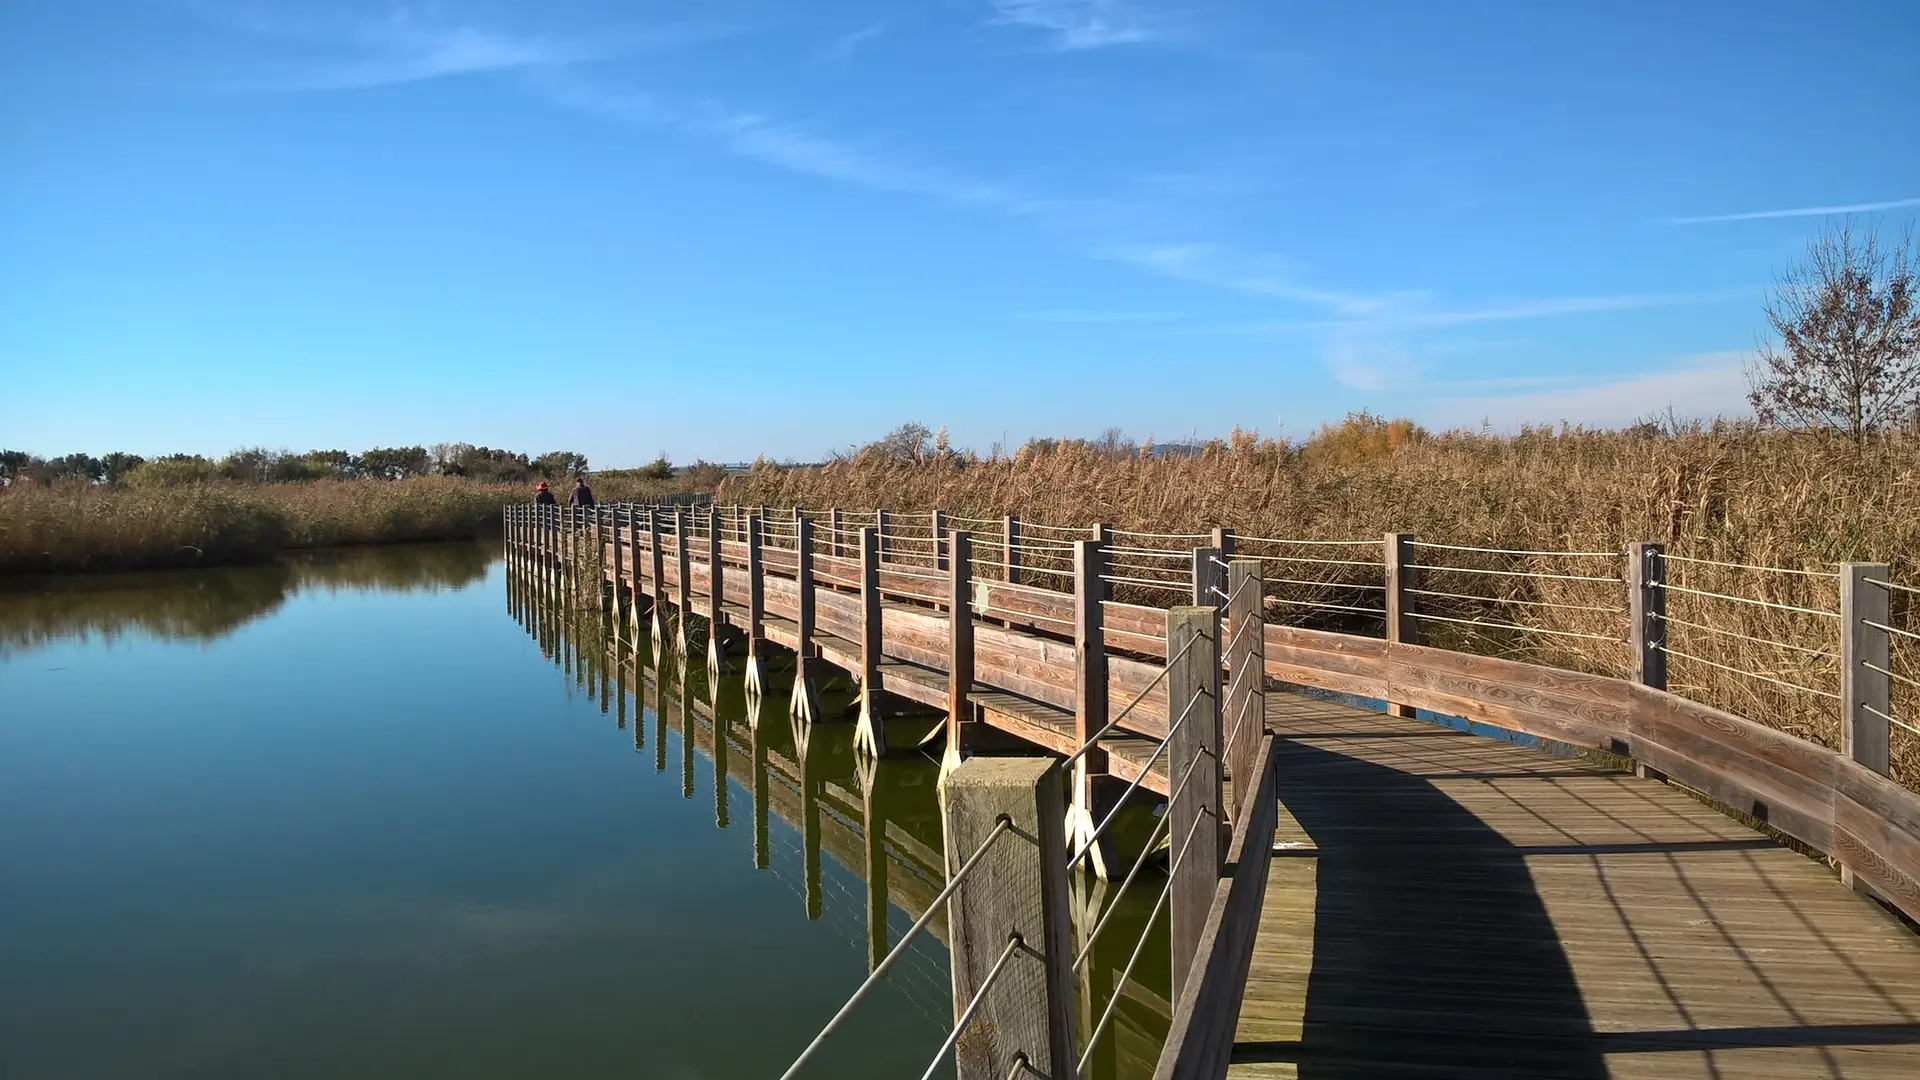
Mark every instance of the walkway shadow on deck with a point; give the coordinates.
(1433, 954)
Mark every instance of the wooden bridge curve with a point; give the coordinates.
(1403, 898)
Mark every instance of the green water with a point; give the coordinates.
(384, 814)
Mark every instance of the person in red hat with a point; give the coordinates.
(542, 496)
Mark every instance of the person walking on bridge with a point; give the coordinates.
(542, 496)
(582, 494)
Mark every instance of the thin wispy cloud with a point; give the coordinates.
(1072, 25)
(1258, 275)
(1706, 385)
(1798, 211)
(1078, 315)
(843, 47)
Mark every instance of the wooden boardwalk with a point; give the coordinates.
(1443, 904)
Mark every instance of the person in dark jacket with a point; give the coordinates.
(582, 494)
(542, 496)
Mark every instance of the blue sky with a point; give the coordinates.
(745, 227)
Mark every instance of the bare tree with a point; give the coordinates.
(1848, 316)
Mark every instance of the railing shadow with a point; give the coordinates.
(1432, 950)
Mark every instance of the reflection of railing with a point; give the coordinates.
(875, 609)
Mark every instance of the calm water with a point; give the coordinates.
(379, 814)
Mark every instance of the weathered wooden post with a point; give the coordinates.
(1016, 893)
(619, 566)
(939, 539)
(880, 518)
(806, 696)
(683, 588)
(1400, 624)
(716, 603)
(1194, 828)
(1090, 708)
(871, 735)
(756, 609)
(1010, 548)
(834, 546)
(1864, 646)
(1209, 578)
(1246, 699)
(656, 577)
(960, 710)
(1647, 613)
(633, 566)
(1223, 539)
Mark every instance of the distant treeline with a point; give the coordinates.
(256, 465)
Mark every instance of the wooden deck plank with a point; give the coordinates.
(1444, 904)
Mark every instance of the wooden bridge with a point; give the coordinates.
(1690, 893)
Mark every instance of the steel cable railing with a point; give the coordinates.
(1014, 945)
(879, 972)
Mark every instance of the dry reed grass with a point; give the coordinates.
(1732, 496)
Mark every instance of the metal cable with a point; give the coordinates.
(1164, 536)
(1127, 972)
(1871, 666)
(1746, 600)
(1309, 559)
(1321, 604)
(966, 1015)
(1751, 674)
(1523, 603)
(1165, 821)
(1509, 551)
(1513, 626)
(1891, 585)
(1176, 586)
(1000, 828)
(1747, 637)
(1517, 573)
(1157, 553)
(1121, 802)
(1749, 566)
(1892, 629)
(1896, 723)
(1137, 699)
(1328, 543)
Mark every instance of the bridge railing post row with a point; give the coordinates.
(939, 539)
(960, 709)
(805, 704)
(1194, 831)
(1090, 704)
(1246, 696)
(1009, 921)
(756, 606)
(682, 589)
(1401, 627)
(871, 735)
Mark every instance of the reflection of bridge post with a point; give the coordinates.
(757, 733)
(803, 760)
(872, 804)
(1097, 985)
(721, 721)
(619, 686)
(659, 718)
(686, 728)
(639, 699)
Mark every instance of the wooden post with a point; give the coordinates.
(1647, 613)
(959, 649)
(1090, 708)
(1246, 698)
(1399, 578)
(833, 532)
(1010, 548)
(880, 518)
(619, 566)
(1864, 691)
(871, 735)
(1018, 889)
(633, 565)
(1194, 831)
(683, 589)
(806, 696)
(756, 608)
(657, 575)
(716, 603)
(939, 539)
(1209, 579)
(1223, 539)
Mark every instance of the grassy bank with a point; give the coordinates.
(1731, 495)
(82, 527)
